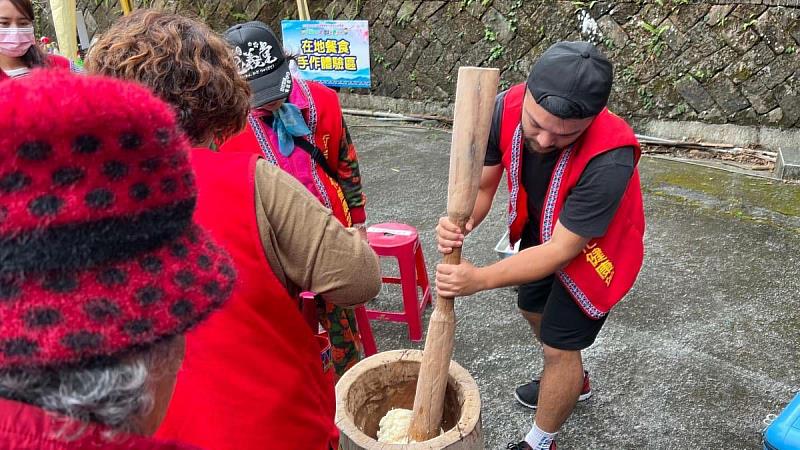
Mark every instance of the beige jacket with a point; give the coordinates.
(307, 247)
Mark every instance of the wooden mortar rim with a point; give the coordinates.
(466, 422)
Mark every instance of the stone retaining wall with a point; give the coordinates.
(717, 62)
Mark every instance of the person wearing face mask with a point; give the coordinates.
(298, 126)
(575, 203)
(19, 53)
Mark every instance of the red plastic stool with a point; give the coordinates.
(401, 241)
(365, 329)
(309, 310)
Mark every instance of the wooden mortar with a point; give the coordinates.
(388, 380)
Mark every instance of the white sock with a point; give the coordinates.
(538, 439)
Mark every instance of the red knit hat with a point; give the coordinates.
(99, 255)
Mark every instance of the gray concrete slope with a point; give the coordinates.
(703, 348)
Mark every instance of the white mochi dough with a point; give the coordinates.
(394, 426)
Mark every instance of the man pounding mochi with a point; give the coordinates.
(575, 204)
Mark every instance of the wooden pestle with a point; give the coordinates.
(476, 89)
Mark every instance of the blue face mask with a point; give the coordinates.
(288, 122)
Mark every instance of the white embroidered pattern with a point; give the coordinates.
(263, 142)
(312, 125)
(514, 175)
(577, 293)
(547, 233)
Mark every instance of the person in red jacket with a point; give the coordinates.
(19, 53)
(575, 203)
(253, 377)
(102, 271)
(298, 126)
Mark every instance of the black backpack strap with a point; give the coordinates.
(316, 155)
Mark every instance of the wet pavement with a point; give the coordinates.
(698, 354)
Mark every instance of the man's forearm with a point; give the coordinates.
(527, 266)
(483, 203)
(490, 179)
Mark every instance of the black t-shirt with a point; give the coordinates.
(591, 204)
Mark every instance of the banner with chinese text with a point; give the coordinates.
(332, 52)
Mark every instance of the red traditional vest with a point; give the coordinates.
(605, 271)
(326, 134)
(252, 378)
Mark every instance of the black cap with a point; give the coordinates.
(572, 80)
(259, 55)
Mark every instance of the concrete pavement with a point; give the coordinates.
(697, 355)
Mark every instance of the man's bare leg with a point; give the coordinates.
(562, 380)
(534, 320)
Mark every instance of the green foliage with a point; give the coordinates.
(749, 24)
(701, 74)
(40, 18)
(381, 60)
(656, 43)
(348, 9)
(583, 5)
(202, 12)
(790, 50)
(240, 17)
(645, 97)
(496, 52)
(512, 19)
(489, 35)
(627, 75)
(403, 20)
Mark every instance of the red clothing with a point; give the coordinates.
(27, 427)
(326, 133)
(54, 61)
(59, 61)
(252, 378)
(605, 271)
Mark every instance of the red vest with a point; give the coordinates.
(605, 271)
(326, 134)
(54, 61)
(252, 378)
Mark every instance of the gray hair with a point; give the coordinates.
(117, 395)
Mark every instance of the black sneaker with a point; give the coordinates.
(528, 394)
(524, 446)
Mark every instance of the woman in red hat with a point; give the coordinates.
(253, 378)
(19, 53)
(102, 270)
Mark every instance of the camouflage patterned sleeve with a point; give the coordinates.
(350, 177)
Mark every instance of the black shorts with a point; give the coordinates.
(564, 324)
